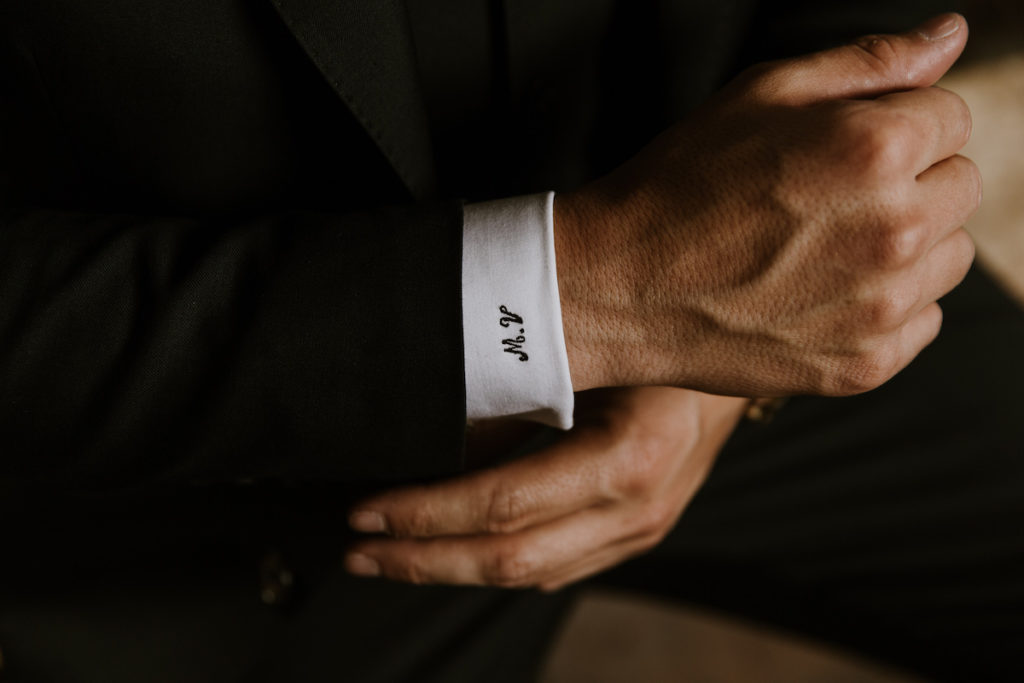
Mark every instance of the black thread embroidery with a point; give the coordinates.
(515, 344)
(509, 317)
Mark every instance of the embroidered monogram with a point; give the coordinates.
(509, 317)
(515, 344)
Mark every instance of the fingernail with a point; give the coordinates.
(368, 522)
(940, 27)
(361, 565)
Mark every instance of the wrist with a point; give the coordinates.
(584, 366)
(585, 282)
(601, 282)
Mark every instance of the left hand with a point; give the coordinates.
(609, 489)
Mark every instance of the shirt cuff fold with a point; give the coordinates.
(516, 361)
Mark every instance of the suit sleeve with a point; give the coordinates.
(296, 346)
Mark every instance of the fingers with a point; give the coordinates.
(937, 120)
(906, 314)
(931, 208)
(875, 367)
(920, 331)
(933, 256)
(945, 266)
(516, 560)
(951, 190)
(606, 558)
(560, 479)
(635, 490)
(871, 66)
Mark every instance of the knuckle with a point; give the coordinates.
(413, 571)
(879, 54)
(655, 520)
(979, 184)
(968, 247)
(508, 567)
(886, 311)
(846, 384)
(954, 115)
(973, 180)
(643, 469)
(506, 510)
(962, 116)
(876, 144)
(871, 139)
(866, 371)
(894, 246)
(419, 522)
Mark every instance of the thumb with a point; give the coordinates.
(873, 65)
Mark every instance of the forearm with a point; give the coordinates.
(592, 286)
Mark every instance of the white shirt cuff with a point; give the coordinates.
(516, 361)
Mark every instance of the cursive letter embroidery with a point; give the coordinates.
(515, 344)
(509, 317)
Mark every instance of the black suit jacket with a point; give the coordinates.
(230, 241)
(197, 279)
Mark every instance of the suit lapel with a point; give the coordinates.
(364, 50)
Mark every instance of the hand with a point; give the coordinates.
(791, 237)
(610, 488)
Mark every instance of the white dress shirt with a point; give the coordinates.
(516, 360)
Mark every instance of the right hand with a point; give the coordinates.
(790, 237)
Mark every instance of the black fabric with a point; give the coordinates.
(177, 303)
(229, 305)
(179, 350)
(215, 631)
(343, 38)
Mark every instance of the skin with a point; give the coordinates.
(792, 236)
(610, 488)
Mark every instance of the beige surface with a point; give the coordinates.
(995, 92)
(612, 638)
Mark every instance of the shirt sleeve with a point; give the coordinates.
(516, 360)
